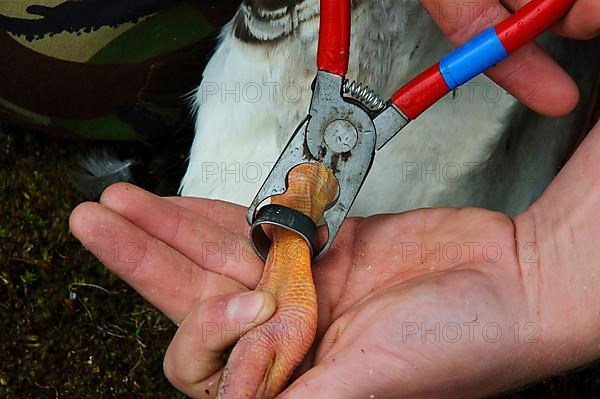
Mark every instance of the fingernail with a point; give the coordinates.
(253, 306)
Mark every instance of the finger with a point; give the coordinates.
(163, 276)
(529, 74)
(203, 241)
(537, 81)
(194, 358)
(582, 22)
(229, 215)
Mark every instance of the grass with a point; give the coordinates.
(71, 329)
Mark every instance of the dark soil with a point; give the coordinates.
(68, 327)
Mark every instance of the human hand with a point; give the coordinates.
(529, 70)
(165, 252)
(370, 291)
(387, 286)
(449, 322)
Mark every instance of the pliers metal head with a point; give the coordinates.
(341, 134)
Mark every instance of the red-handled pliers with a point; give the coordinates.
(347, 123)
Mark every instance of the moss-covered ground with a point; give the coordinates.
(68, 327)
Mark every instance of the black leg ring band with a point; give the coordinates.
(282, 216)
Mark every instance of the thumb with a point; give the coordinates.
(196, 353)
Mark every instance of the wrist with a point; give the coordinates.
(562, 279)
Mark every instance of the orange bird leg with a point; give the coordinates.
(264, 358)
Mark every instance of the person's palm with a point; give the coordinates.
(402, 298)
(407, 297)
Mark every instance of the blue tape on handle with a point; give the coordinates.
(472, 58)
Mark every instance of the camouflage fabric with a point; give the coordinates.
(97, 69)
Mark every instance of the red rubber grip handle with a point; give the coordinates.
(530, 21)
(334, 37)
(421, 93)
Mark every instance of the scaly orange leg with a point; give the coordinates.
(263, 359)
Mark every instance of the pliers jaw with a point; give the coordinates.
(339, 133)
